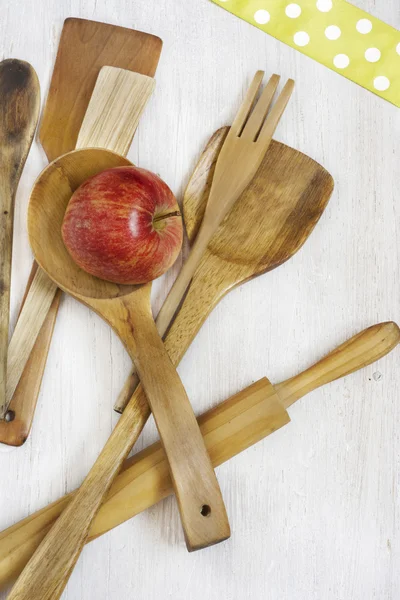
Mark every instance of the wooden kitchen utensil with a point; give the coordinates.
(228, 429)
(268, 224)
(85, 46)
(127, 309)
(238, 161)
(19, 113)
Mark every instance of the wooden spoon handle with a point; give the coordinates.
(209, 284)
(361, 350)
(199, 497)
(19, 113)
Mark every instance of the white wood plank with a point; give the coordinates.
(315, 509)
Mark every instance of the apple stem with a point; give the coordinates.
(166, 216)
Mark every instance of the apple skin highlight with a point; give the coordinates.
(123, 225)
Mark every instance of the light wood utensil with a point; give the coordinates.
(85, 47)
(127, 309)
(238, 161)
(19, 112)
(271, 220)
(228, 429)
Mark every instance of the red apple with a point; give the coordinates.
(123, 225)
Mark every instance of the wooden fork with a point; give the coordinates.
(240, 157)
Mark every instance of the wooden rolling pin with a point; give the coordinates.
(228, 429)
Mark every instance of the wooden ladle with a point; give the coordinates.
(127, 309)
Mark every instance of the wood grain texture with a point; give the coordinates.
(111, 120)
(19, 113)
(88, 46)
(33, 314)
(127, 310)
(268, 224)
(228, 429)
(117, 92)
(315, 508)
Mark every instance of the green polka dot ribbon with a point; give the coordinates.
(336, 34)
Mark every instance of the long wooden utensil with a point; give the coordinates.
(127, 309)
(84, 48)
(238, 161)
(19, 113)
(228, 429)
(268, 224)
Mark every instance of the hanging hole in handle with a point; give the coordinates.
(10, 416)
(205, 510)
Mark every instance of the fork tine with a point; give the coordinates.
(257, 117)
(247, 104)
(276, 113)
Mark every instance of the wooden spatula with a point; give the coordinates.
(229, 428)
(19, 112)
(85, 46)
(268, 224)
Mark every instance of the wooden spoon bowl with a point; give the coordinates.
(48, 203)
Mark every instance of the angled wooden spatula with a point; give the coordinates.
(19, 112)
(85, 47)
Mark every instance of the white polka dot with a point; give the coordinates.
(364, 26)
(301, 38)
(381, 83)
(262, 17)
(333, 32)
(372, 55)
(341, 61)
(293, 11)
(324, 5)
(398, 48)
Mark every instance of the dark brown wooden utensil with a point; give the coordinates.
(19, 112)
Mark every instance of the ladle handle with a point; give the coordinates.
(199, 497)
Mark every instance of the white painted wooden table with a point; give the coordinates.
(315, 509)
